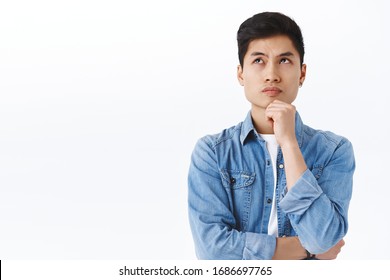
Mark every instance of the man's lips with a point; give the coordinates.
(271, 91)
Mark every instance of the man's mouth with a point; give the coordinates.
(271, 91)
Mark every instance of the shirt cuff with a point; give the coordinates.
(259, 246)
(301, 195)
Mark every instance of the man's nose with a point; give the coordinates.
(271, 74)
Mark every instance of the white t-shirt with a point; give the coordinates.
(272, 147)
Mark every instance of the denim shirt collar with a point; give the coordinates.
(248, 128)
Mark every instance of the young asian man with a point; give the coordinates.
(270, 187)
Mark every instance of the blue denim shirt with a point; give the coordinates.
(231, 185)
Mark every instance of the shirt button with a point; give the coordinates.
(269, 200)
(281, 166)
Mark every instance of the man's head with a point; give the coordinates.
(271, 59)
(268, 24)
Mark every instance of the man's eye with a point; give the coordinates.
(284, 60)
(258, 60)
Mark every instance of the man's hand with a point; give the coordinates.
(332, 253)
(281, 116)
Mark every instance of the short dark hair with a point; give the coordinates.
(267, 24)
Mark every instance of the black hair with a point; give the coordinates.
(265, 25)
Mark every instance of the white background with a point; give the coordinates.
(101, 103)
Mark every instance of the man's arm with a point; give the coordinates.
(290, 248)
(317, 207)
(282, 115)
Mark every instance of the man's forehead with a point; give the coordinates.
(274, 45)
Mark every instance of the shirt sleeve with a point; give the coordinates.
(212, 222)
(318, 208)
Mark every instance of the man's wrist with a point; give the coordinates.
(290, 144)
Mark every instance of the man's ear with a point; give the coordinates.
(239, 75)
(303, 74)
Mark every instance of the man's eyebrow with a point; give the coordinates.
(258, 53)
(282, 54)
(286, 54)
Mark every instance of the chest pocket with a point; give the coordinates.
(234, 179)
(239, 190)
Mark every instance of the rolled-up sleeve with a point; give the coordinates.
(318, 207)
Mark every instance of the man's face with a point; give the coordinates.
(271, 70)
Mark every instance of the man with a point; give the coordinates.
(270, 187)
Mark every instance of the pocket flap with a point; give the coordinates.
(236, 179)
